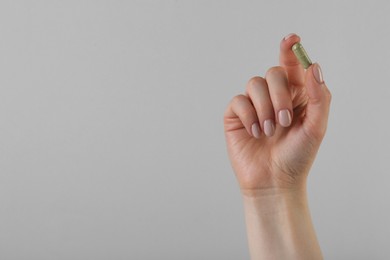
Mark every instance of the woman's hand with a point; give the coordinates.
(274, 130)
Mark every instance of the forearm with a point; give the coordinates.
(279, 225)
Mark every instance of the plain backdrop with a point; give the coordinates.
(111, 134)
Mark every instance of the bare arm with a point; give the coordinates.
(273, 133)
(279, 226)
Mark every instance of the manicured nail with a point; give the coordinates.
(317, 73)
(269, 127)
(289, 36)
(284, 118)
(256, 130)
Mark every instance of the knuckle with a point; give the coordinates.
(254, 82)
(238, 99)
(275, 71)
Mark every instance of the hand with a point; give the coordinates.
(274, 130)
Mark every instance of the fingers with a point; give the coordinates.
(287, 59)
(280, 95)
(268, 102)
(317, 110)
(242, 108)
(257, 90)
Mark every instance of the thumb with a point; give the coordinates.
(317, 109)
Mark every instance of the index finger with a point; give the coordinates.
(288, 60)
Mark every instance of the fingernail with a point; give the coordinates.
(317, 73)
(284, 118)
(289, 36)
(256, 130)
(269, 127)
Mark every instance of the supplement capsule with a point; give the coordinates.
(301, 55)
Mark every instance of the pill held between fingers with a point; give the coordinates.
(301, 55)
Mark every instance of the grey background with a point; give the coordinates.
(112, 145)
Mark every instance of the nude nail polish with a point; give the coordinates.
(269, 127)
(256, 130)
(317, 73)
(284, 117)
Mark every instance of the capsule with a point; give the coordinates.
(301, 55)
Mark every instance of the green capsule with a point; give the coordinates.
(301, 55)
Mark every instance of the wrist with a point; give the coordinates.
(255, 184)
(295, 187)
(275, 201)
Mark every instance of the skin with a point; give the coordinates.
(272, 170)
